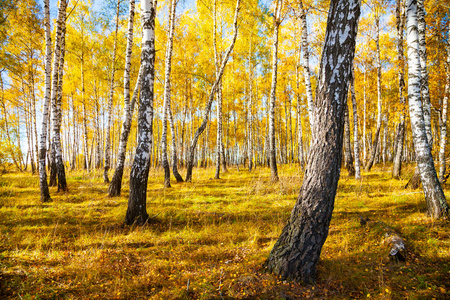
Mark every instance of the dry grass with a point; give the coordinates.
(213, 236)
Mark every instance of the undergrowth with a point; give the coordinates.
(208, 240)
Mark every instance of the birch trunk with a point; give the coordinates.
(110, 103)
(273, 90)
(137, 211)
(397, 168)
(191, 154)
(436, 203)
(347, 144)
(57, 120)
(355, 128)
(297, 251)
(45, 194)
(167, 94)
(307, 72)
(116, 182)
(249, 112)
(377, 132)
(443, 141)
(301, 158)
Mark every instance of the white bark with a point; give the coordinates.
(443, 141)
(434, 195)
(45, 195)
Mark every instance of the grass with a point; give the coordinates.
(208, 240)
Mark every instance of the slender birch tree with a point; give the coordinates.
(45, 194)
(396, 171)
(167, 94)
(137, 205)
(306, 70)
(57, 99)
(355, 128)
(297, 251)
(107, 165)
(348, 158)
(379, 98)
(199, 131)
(116, 182)
(273, 91)
(444, 110)
(437, 206)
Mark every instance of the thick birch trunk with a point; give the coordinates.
(110, 103)
(45, 195)
(191, 153)
(297, 251)
(273, 91)
(116, 182)
(436, 203)
(137, 206)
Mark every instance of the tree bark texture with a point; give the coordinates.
(297, 251)
(116, 181)
(137, 202)
(434, 195)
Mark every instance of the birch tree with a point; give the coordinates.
(396, 171)
(434, 196)
(45, 194)
(297, 251)
(107, 165)
(306, 70)
(166, 108)
(273, 90)
(443, 140)
(199, 131)
(57, 95)
(379, 99)
(116, 181)
(137, 201)
(355, 127)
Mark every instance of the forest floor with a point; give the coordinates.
(208, 240)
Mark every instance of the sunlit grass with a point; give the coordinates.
(208, 239)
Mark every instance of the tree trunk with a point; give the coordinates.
(249, 111)
(273, 90)
(137, 202)
(306, 73)
(116, 182)
(444, 118)
(110, 103)
(191, 153)
(167, 95)
(436, 204)
(347, 144)
(301, 158)
(297, 251)
(58, 73)
(397, 168)
(355, 128)
(45, 194)
(378, 60)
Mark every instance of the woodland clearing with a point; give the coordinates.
(209, 239)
